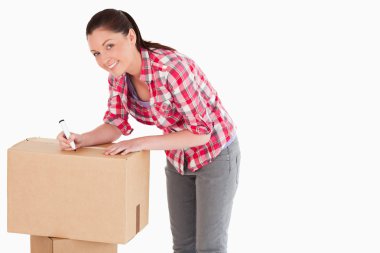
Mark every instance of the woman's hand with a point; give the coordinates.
(65, 143)
(124, 147)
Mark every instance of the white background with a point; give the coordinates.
(299, 78)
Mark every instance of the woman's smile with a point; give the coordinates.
(111, 66)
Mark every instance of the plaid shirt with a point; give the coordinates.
(181, 98)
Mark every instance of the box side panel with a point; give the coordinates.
(138, 168)
(64, 196)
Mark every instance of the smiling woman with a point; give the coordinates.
(116, 53)
(159, 86)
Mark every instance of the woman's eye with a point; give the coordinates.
(109, 46)
(96, 54)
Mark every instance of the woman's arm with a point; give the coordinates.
(176, 140)
(104, 133)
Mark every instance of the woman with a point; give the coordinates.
(159, 86)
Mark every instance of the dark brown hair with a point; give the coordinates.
(120, 22)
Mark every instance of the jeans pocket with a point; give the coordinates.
(223, 156)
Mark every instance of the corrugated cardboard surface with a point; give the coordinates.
(82, 195)
(42, 244)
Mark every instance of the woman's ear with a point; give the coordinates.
(132, 36)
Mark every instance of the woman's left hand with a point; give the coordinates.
(124, 147)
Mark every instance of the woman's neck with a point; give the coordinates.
(136, 67)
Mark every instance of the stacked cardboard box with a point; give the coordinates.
(42, 244)
(82, 195)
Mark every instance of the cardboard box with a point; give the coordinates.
(42, 244)
(82, 195)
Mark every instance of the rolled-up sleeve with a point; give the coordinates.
(188, 99)
(116, 114)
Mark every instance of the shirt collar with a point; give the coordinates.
(146, 67)
(145, 72)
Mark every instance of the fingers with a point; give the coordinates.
(125, 152)
(109, 150)
(65, 146)
(61, 136)
(113, 150)
(116, 149)
(65, 143)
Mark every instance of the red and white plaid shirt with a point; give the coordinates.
(181, 98)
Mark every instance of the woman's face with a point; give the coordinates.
(114, 52)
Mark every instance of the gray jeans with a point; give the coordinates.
(200, 203)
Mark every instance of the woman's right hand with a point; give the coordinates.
(65, 143)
